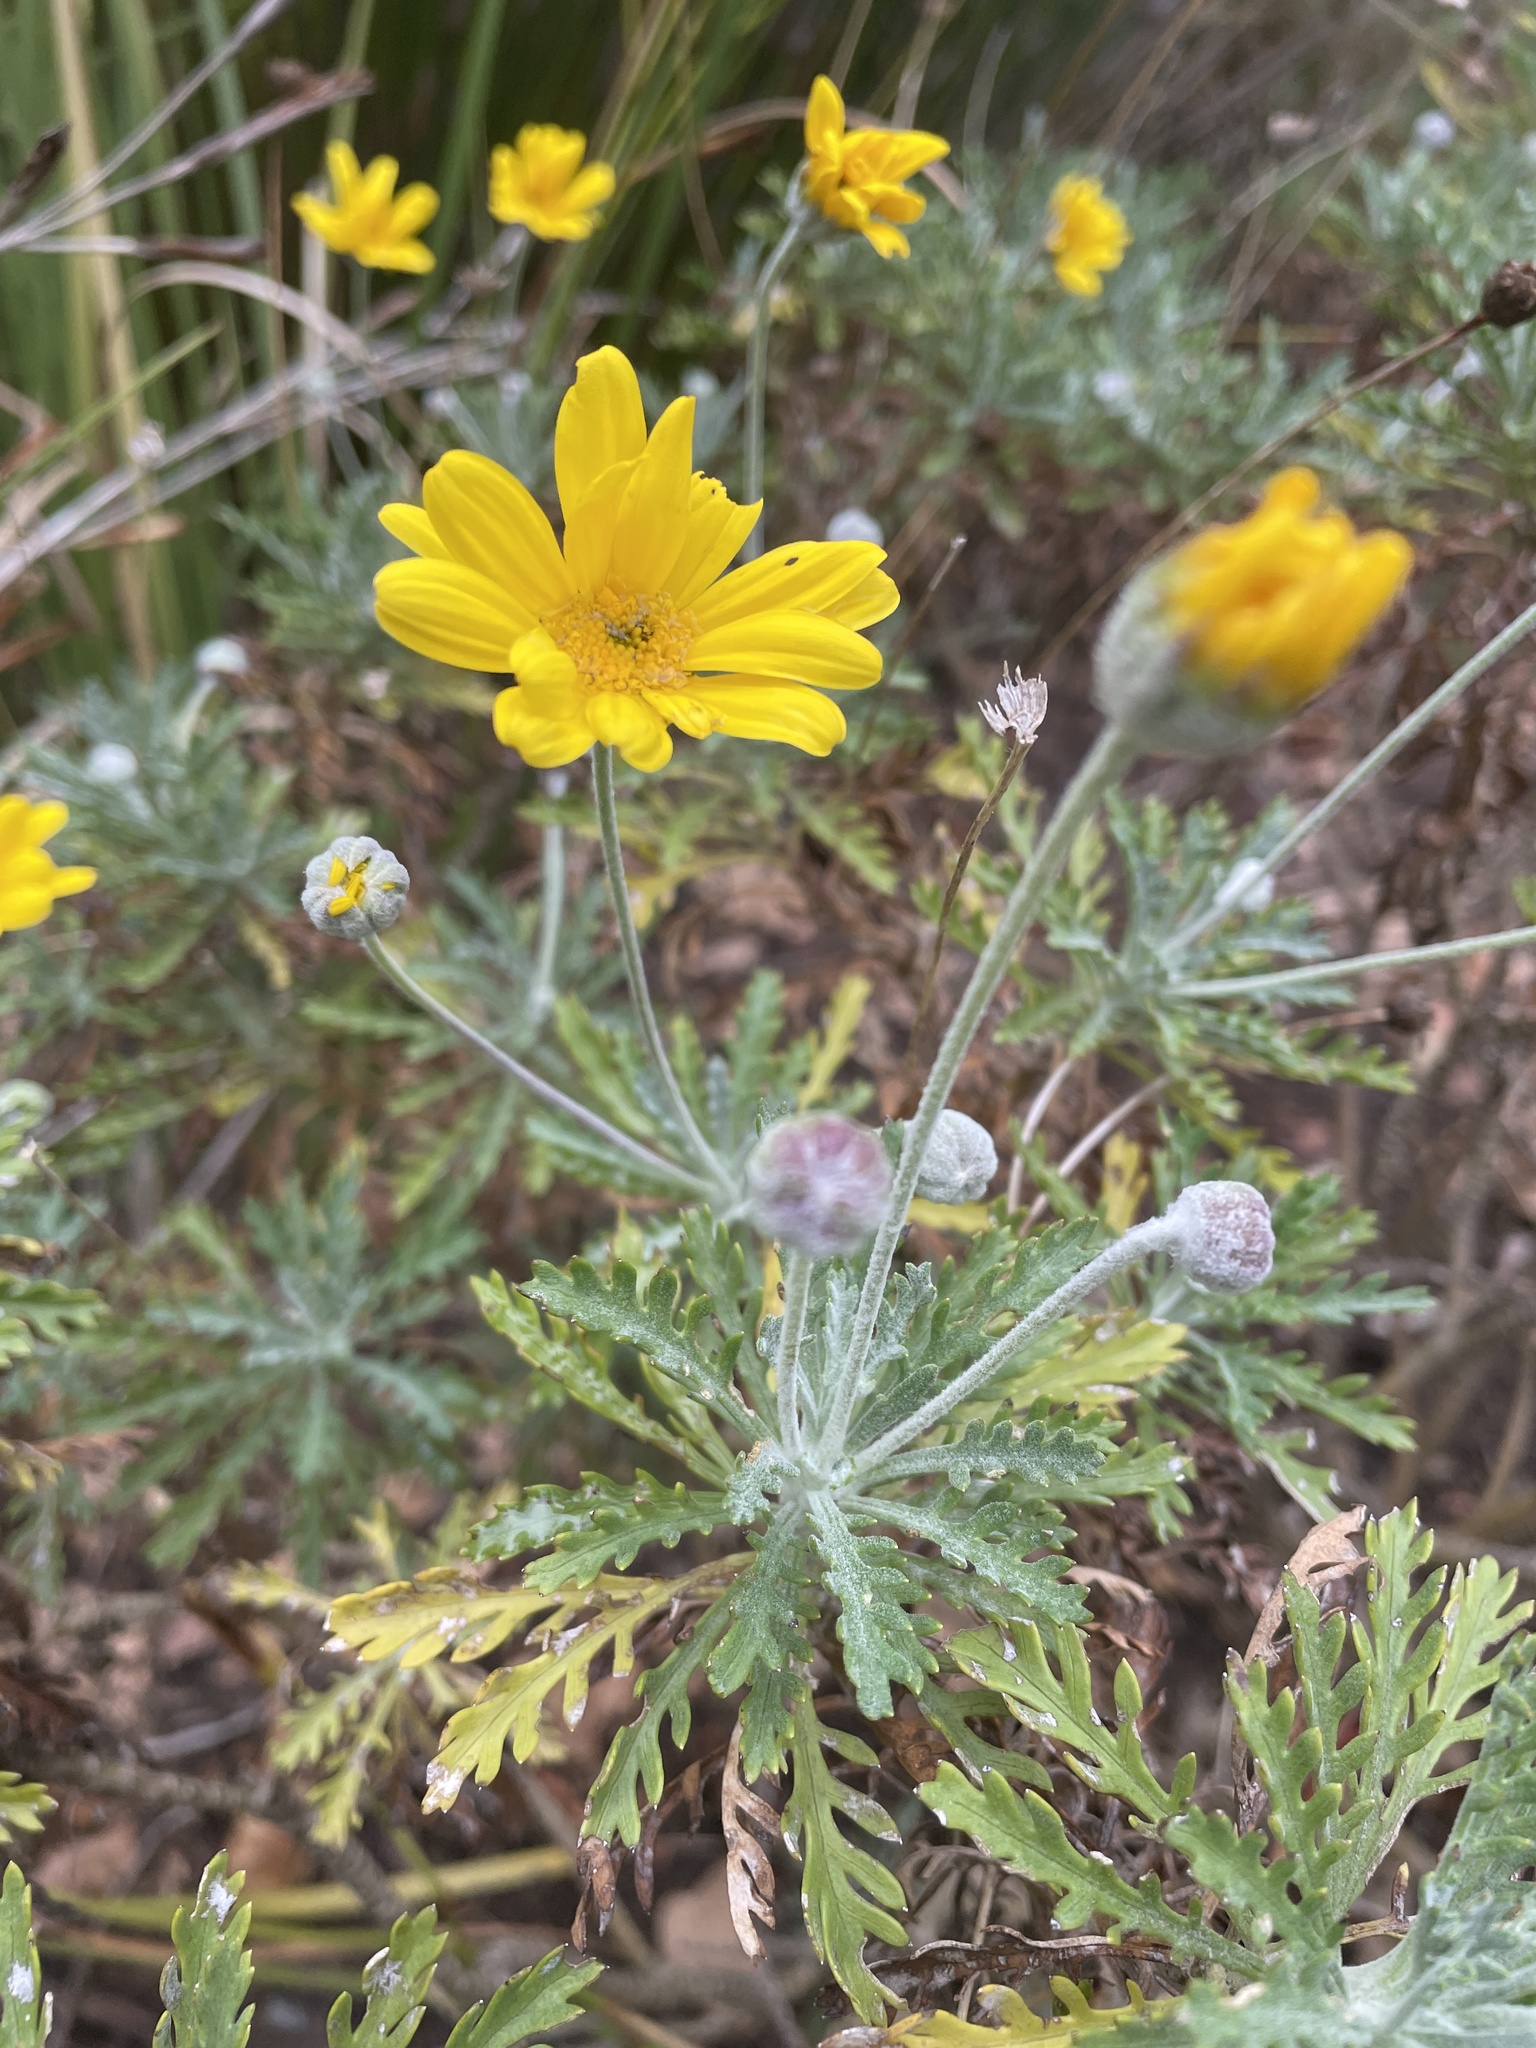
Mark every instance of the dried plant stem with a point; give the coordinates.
(1181, 523)
(1091, 1140)
(979, 824)
(634, 963)
(545, 1091)
(541, 996)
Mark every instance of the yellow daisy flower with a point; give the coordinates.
(29, 881)
(368, 219)
(634, 626)
(856, 178)
(1087, 235)
(1274, 605)
(540, 181)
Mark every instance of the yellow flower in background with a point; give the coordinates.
(30, 884)
(367, 218)
(1214, 644)
(856, 176)
(1087, 235)
(540, 182)
(634, 626)
(1274, 605)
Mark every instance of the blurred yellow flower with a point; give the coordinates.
(633, 627)
(29, 881)
(1274, 605)
(1086, 236)
(368, 219)
(540, 182)
(856, 177)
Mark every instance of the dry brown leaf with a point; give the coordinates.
(748, 1867)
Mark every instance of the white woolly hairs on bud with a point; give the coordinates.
(960, 1160)
(355, 888)
(1220, 1234)
(818, 1183)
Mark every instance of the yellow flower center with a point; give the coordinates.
(625, 641)
(351, 882)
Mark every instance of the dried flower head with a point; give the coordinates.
(354, 888)
(1509, 296)
(1019, 711)
(1222, 1235)
(818, 1183)
(960, 1160)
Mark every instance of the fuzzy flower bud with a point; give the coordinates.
(818, 1183)
(1216, 643)
(1222, 1235)
(960, 1160)
(354, 888)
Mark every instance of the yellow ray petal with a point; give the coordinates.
(410, 525)
(759, 708)
(21, 909)
(540, 665)
(489, 520)
(376, 187)
(811, 575)
(450, 613)
(43, 820)
(622, 720)
(71, 881)
(545, 738)
(345, 171)
(653, 513)
(825, 117)
(590, 187)
(716, 530)
(589, 527)
(414, 257)
(872, 600)
(601, 422)
(412, 209)
(796, 647)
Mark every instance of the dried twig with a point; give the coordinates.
(748, 1867)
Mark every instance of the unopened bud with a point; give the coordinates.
(818, 1183)
(1222, 1235)
(1509, 296)
(354, 888)
(959, 1162)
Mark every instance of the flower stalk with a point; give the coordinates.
(755, 398)
(544, 1091)
(1281, 980)
(797, 1299)
(1110, 755)
(634, 963)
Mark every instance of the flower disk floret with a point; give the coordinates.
(540, 183)
(857, 176)
(633, 626)
(367, 219)
(30, 883)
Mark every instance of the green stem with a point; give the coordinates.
(797, 1301)
(755, 399)
(541, 996)
(1407, 729)
(1110, 755)
(1283, 979)
(544, 1091)
(1126, 1251)
(634, 964)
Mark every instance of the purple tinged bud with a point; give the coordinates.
(818, 1183)
(1222, 1235)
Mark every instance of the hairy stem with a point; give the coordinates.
(541, 996)
(797, 1300)
(1283, 979)
(1110, 755)
(1125, 1251)
(634, 964)
(755, 400)
(544, 1091)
